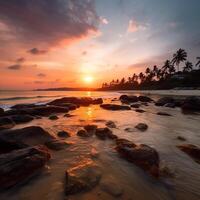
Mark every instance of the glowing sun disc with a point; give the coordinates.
(88, 79)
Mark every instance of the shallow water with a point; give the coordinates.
(136, 184)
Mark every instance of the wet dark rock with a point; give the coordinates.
(145, 99)
(111, 124)
(84, 133)
(53, 117)
(23, 106)
(135, 105)
(18, 119)
(163, 113)
(90, 128)
(144, 104)
(39, 110)
(20, 165)
(8, 146)
(192, 150)
(170, 105)
(114, 107)
(142, 126)
(104, 133)
(181, 138)
(141, 155)
(63, 134)
(129, 130)
(164, 100)
(140, 110)
(191, 104)
(68, 115)
(70, 106)
(6, 123)
(82, 178)
(57, 144)
(128, 99)
(83, 101)
(32, 135)
(1, 111)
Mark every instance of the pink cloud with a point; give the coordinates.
(134, 26)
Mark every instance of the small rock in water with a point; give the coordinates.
(141, 126)
(104, 133)
(140, 110)
(53, 117)
(170, 105)
(144, 99)
(135, 105)
(111, 124)
(82, 178)
(181, 138)
(163, 113)
(164, 100)
(83, 133)
(63, 134)
(90, 128)
(68, 115)
(111, 187)
(129, 130)
(114, 107)
(57, 144)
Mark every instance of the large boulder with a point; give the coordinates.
(90, 128)
(82, 101)
(145, 99)
(82, 178)
(164, 100)
(18, 119)
(192, 150)
(6, 123)
(141, 155)
(114, 107)
(128, 99)
(191, 104)
(32, 135)
(20, 165)
(23, 106)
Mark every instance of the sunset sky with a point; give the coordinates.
(82, 43)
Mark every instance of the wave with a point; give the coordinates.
(32, 97)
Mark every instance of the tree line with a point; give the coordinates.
(158, 77)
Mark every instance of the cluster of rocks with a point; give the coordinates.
(133, 99)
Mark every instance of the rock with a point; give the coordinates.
(144, 104)
(21, 165)
(144, 99)
(128, 99)
(70, 106)
(104, 133)
(111, 124)
(63, 134)
(53, 117)
(90, 128)
(141, 155)
(82, 178)
(111, 187)
(83, 101)
(68, 115)
(170, 105)
(8, 146)
(6, 123)
(164, 100)
(1, 111)
(135, 105)
(84, 133)
(18, 119)
(114, 107)
(32, 135)
(38, 110)
(181, 138)
(191, 104)
(23, 106)
(141, 126)
(163, 113)
(129, 130)
(57, 144)
(192, 150)
(140, 110)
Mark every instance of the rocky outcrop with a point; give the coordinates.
(84, 133)
(18, 119)
(82, 178)
(128, 99)
(192, 150)
(90, 128)
(32, 135)
(145, 99)
(164, 100)
(191, 104)
(104, 133)
(142, 126)
(114, 107)
(6, 123)
(20, 165)
(82, 101)
(63, 134)
(141, 155)
(23, 106)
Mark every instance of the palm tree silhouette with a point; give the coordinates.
(167, 65)
(179, 57)
(188, 66)
(198, 62)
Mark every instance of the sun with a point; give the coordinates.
(88, 79)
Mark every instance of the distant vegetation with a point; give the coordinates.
(167, 76)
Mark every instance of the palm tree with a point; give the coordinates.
(167, 65)
(141, 76)
(179, 57)
(198, 62)
(188, 66)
